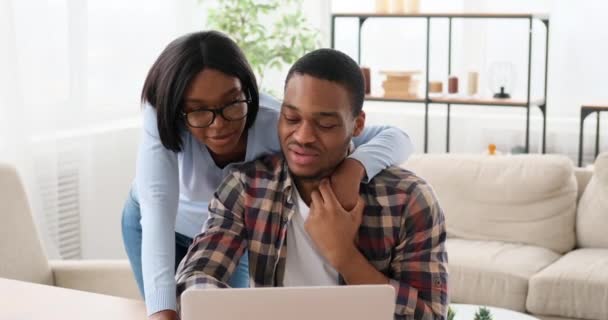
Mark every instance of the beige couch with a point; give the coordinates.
(517, 236)
(22, 257)
(527, 233)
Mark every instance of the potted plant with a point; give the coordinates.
(483, 314)
(271, 33)
(451, 313)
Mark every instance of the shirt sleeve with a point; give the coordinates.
(269, 101)
(215, 253)
(379, 147)
(157, 185)
(420, 262)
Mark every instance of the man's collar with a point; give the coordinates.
(288, 183)
(351, 148)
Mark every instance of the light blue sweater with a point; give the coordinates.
(174, 188)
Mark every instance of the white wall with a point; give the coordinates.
(70, 71)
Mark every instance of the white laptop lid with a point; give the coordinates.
(375, 302)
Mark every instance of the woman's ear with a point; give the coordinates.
(359, 124)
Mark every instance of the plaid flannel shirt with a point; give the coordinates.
(402, 235)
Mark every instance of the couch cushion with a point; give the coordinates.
(493, 273)
(583, 176)
(574, 286)
(592, 217)
(529, 199)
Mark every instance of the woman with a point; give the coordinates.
(203, 115)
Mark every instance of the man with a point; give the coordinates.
(282, 209)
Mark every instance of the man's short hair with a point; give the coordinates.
(335, 66)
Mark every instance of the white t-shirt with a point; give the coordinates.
(305, 266)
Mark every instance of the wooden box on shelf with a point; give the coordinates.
(401, 84)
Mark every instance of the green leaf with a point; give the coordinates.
(271, 33)
(483, 314)
(451, 313)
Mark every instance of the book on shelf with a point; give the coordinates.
(399, 95)
(400, 74)
(411, 85)
(399, 79)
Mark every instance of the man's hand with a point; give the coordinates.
(345, 182)
(332, 228)
(164, 315)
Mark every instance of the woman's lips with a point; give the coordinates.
(221, 139)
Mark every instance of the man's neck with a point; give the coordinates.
(306, 187)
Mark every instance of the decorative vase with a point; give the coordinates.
(412, 6)
(366, 78)
(398, 6)
(382, 6)
(472, 83)
(453, 85)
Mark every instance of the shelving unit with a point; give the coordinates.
(586, 110)
(450, 101)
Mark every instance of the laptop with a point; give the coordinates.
(366, 302)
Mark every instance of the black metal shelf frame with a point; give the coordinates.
(426, 100)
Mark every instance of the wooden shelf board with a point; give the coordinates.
(394, 99)
(486, 15)
(486, 101)
(603, 107)
(459, 100)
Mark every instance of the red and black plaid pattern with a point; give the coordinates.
(402, 234)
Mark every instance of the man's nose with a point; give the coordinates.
(305, 133)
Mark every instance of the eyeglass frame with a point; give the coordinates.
(219, 111)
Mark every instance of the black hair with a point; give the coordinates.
(335, 66)
(171, 74)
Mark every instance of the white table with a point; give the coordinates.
(29, 301)
(467, 312)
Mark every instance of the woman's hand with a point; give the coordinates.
(345, 182)
(164, 315)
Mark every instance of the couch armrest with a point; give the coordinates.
(111, 277)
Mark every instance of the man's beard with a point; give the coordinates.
(313, 177)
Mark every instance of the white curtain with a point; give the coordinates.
(68, 67)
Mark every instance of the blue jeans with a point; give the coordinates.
(131, 236)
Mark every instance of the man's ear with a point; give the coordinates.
(359, 124)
